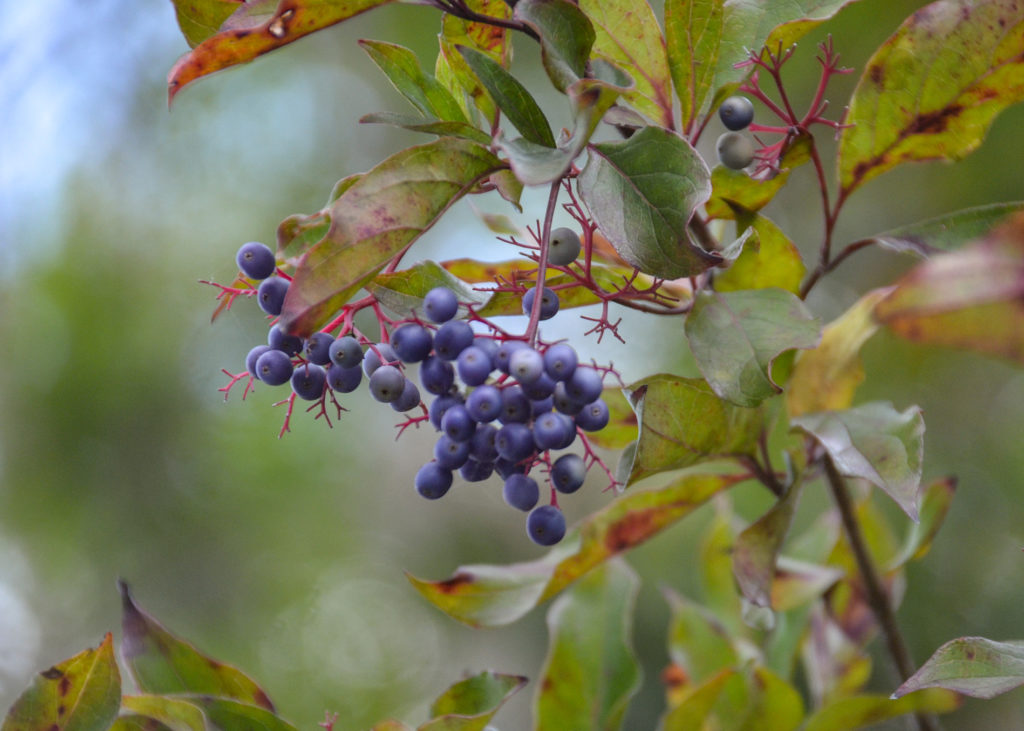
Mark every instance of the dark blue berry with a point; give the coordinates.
(387, 384)
(458, 424)
(432, 481)
(451, 454)
(540, 389)
(474, 471)
(539, 407)
(560, 361)
(346, 352)
(256, 260)
(409, 399)
(474, 365)
(378, 355)
(440, 406)
(585, 385)
(593, 417)
(564, 246)
(526, 365)
(274, 367)
(482, 446)
(515, 406)
(565, 403)
(545, 525)
(514, 442)
(318, 348)
(279, 340)
(308, 381)
(736, 112)
(252, 357)
(270, 295)
(440, 304)
(452, 338)
(520, 492)
(548, 304)
(484, 404)
(412, 342)
(344, 380)
(488, 345)
(505, 351)
(570, 431)
(436, 375)
(549, 431)
(505, 468)
(568, 473)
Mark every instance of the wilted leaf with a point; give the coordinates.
(418, 124)
(846, 714)
(82, 693)
(292, 20)
(877, 443)
(948, 232)
(757, 548)
(591, 671)
(736, 336)
(768, 259)
(970, 298)
(471, 703)
(403, 70)
(566, 37)
(403, 291)
(827, 377)
(693, 32)
(932, 90)
(973, 666)
(934, 505)
(162, 663)
(642, 193)
(628, 35)
(488, 596)
(200, 19)
(379, 215)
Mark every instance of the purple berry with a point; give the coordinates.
(564, 403)
(526, 365)
(736, 113)
(256, 260)
(548, 304)
(545, 525)
(378, 355)
(274, 367)
(593, 417)
(317, 348)
(505, 351)
(409, 399)
(308, 381)
(412, 342)
(451, 454)
(515, 406)
(560, 361)
(458, 424)
(568, 473)
(482, 446)
(474, 471)
(346, 352)
(440, 304)
(436, 375)
(484, 404)
(270, 295)
(439, 407)
(520, 492)
(549, 430)
(585, 385)
(514, 442)
(452, 338)
(344, 380)
(279, 340)
(387, 384)
(252, 357)
(432, 481)
(474, 365)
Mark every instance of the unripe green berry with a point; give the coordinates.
(735, 150)
(564, 247)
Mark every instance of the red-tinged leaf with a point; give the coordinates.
(934, 506)
(292, 20)
(846, 714)
(971, 298)
(488, 596)
(297, 233)
(682, 423)
(768, 259)
(82, 693)
(877, 443)
(622, 423)
(973, 666)
(696, 706)
(628, 35)
(757, 548)
(566, 37)
(932, 90)
(591, 671)
(946, 233)
(693, 33)
(835, 666)
(200, 19)
(161, 663)
(471, 703)
(381, 214)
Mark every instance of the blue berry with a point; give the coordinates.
(568, 473)
(548, 304)
(593, 417)
(585, 385)
(452, 338)
(374, 359)
(538, 407)
(308, 381)
(451, 454)
(458, 424)
(505, 468)
(274, 367)
(439, 407)
(344, 380)
(545, 525)
(736, 112)
(432, 481)
(520, 492)
(256, 260)
(474, 471)
(514, 442)
(387, 384)
(570, 431)
(488, 345)
(440, 304)
(270, 295)
(482, 446)
(505, 351)
(564, 403)
(346, 352)
(540, 389)
(515, 406)
(549, 431)
(526, 365)
(279, 340)
(317, 348)
(412, 342)
(484, 404)
(252, 357)
(564, 247)
(409, 399)
(474, 365)
(436, 375)
(560, 361)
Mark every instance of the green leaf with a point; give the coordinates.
(642, 193)
(714, 568)
(757, 548)
(622, 423)
(176, 713)
(826, 378)
(860, 711)
(768, 259)
(134, 722)
(489, 596)
(511, 97)
(695, 707)
(82, 693)
(298, 232)
(200, 19)
(161, 663)
(471, 703)
(570, 292)
(933, 88)
(451, 69)
(797, 582)
(948, 232)
(697, 640)
(734, 194)
(230, 715)
(628, 35)
(403, 70)
(566, 37)
(777, 705)
(966, 299)
(591, 671)
(391, 725)
(877, 443)
(835, 666)
(693, 31)
(403, 291)
(934, 506)
(974, 666)
(381, 214)
(292, 20)
(682, 423)
(418, 124)
(736, 336)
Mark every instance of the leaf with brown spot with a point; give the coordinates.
(974, 666)
(292, 20)
(932, 90)
(161, 663)
(82, 693)
(489, 596)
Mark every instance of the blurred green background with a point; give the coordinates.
(119, 458)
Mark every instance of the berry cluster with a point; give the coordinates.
(500, 404)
